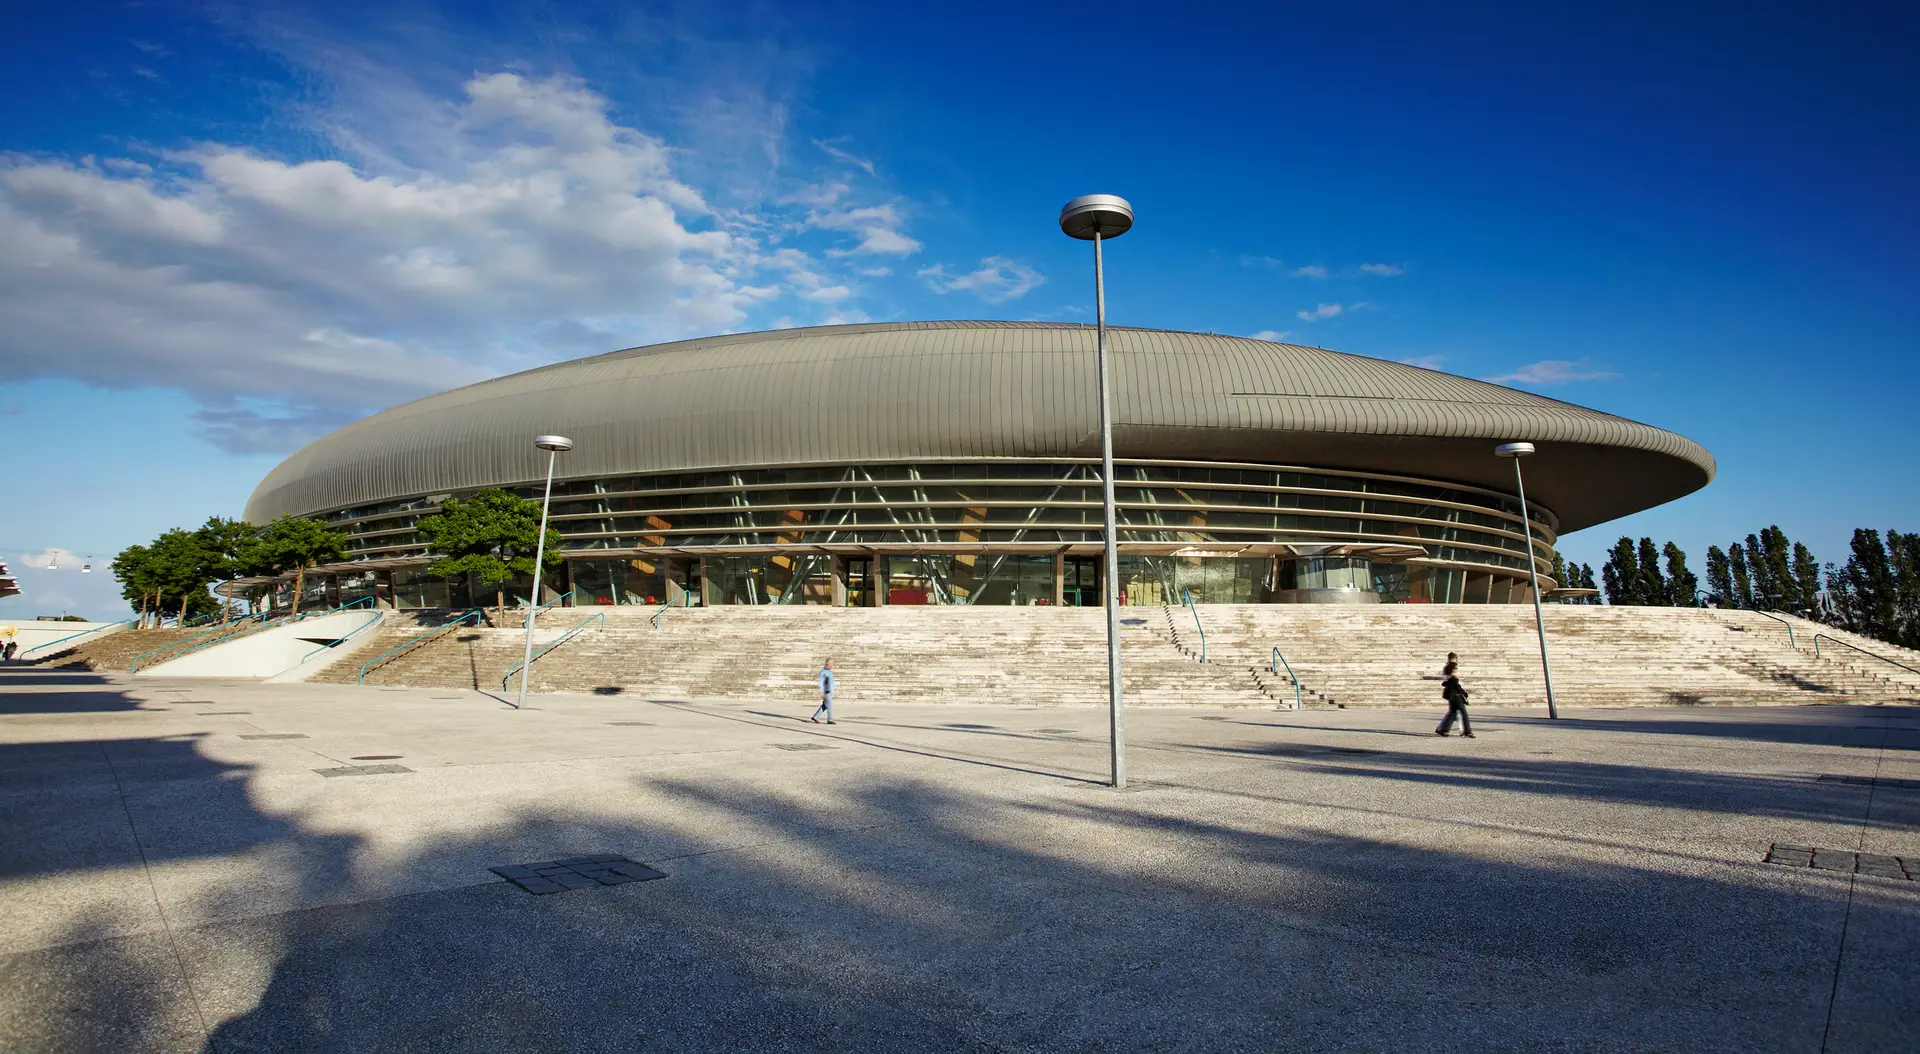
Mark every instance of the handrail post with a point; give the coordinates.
(1281, 660)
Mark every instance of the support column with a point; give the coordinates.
(878, 576)
(706, 600)
(1059, 579)
(837, 570)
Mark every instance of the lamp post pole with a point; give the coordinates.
(553, 445)
(1095, 218)
(1516, 451)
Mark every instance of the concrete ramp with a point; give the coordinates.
(290, 652)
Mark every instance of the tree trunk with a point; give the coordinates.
(183, 611)
(500, 604)
(143, 611)
(299, 582)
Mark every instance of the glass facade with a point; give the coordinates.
(773, 535)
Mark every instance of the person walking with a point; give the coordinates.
(826, 694)
(1456, 697)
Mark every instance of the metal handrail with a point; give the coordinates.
(686, 596)
(134, 667)
(1196, 622)
(538, 608)
(422, 638)
(374, 621)
(82, 633)
(1855, 647)
(223, 639)
(1791, 643)
(1280, 660)
(554, 643)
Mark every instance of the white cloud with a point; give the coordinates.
(1274, 335)
(878, 227)
(1310, 271)
(1383, 270)
(1554, 371)
(874, 272)
(997, 280)
(1320, 312)
(1425, 362)
(292, 295)
(836, 152)
(51, 559)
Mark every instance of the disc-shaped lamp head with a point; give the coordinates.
(554, 443)
(1513, 449)
(1108, 214)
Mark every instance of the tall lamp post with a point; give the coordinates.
(1095, 218)
(553, 445)
(1516, 451)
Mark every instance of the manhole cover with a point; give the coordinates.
(606, 689)
(1204, 718)
(803, 746)
(379, 757)
(1842, 861)
(235, 713)
(579, 872)
(276, 735)
(363, 770)
(632, 724)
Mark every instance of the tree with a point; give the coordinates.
(491, 535)
(180, 567)
(1742, 582)
(1586, 582)
(1653, 586)
(1776, 555)
(132, 570)
(1682, 587)
(1622, 573)
(225, 543)
(1561, 577)
(292, 543)
(1806, 580)
(1719, 577)
(1903, 550)
(1759, 574)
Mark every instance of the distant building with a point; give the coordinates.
(958, 462)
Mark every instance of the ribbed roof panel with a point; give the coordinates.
(894, 391)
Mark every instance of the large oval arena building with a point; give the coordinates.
(958, 463)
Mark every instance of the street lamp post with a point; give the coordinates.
(1516, 451)
(553, 445)
(1095, 218)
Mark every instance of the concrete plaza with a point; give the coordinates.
(192, 865)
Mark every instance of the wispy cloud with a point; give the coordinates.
(997, 280)
(834, 151)
(1311, 271)
(1273, 335)
(874, 272)
(1321, 311)
(1425, 362)
(1260, 261)
(1554, 371)
(1382, 270)
(878, 227)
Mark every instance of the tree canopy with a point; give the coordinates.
(292, 543)
(492, 535)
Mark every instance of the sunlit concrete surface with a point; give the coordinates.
(941, 877)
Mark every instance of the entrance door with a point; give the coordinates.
(859, 581)
(1080, 582)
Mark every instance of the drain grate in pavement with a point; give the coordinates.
(1842, 861)
(802, 746)
(967, 726)
(630, 724)
(1054, 731)
(235, 713)
(363, 770)
(578, 872)
(1207, 718)
(276, 735)
(1870, 781)
(378, 757)
(1349, 750)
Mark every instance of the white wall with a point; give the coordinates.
(34, 634)
(268, 652)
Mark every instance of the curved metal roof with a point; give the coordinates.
(893, 391)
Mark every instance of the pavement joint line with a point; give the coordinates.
(1853, 883)
(153, 890)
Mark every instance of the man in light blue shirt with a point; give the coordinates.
(826, 693)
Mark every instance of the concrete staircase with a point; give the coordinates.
(474, 654)
(1602, 656)
(1385, 656)
(114, 651)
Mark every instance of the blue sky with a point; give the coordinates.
(227, 229)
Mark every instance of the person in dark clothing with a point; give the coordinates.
(1456, 697)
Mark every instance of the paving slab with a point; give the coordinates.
(944, 877)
